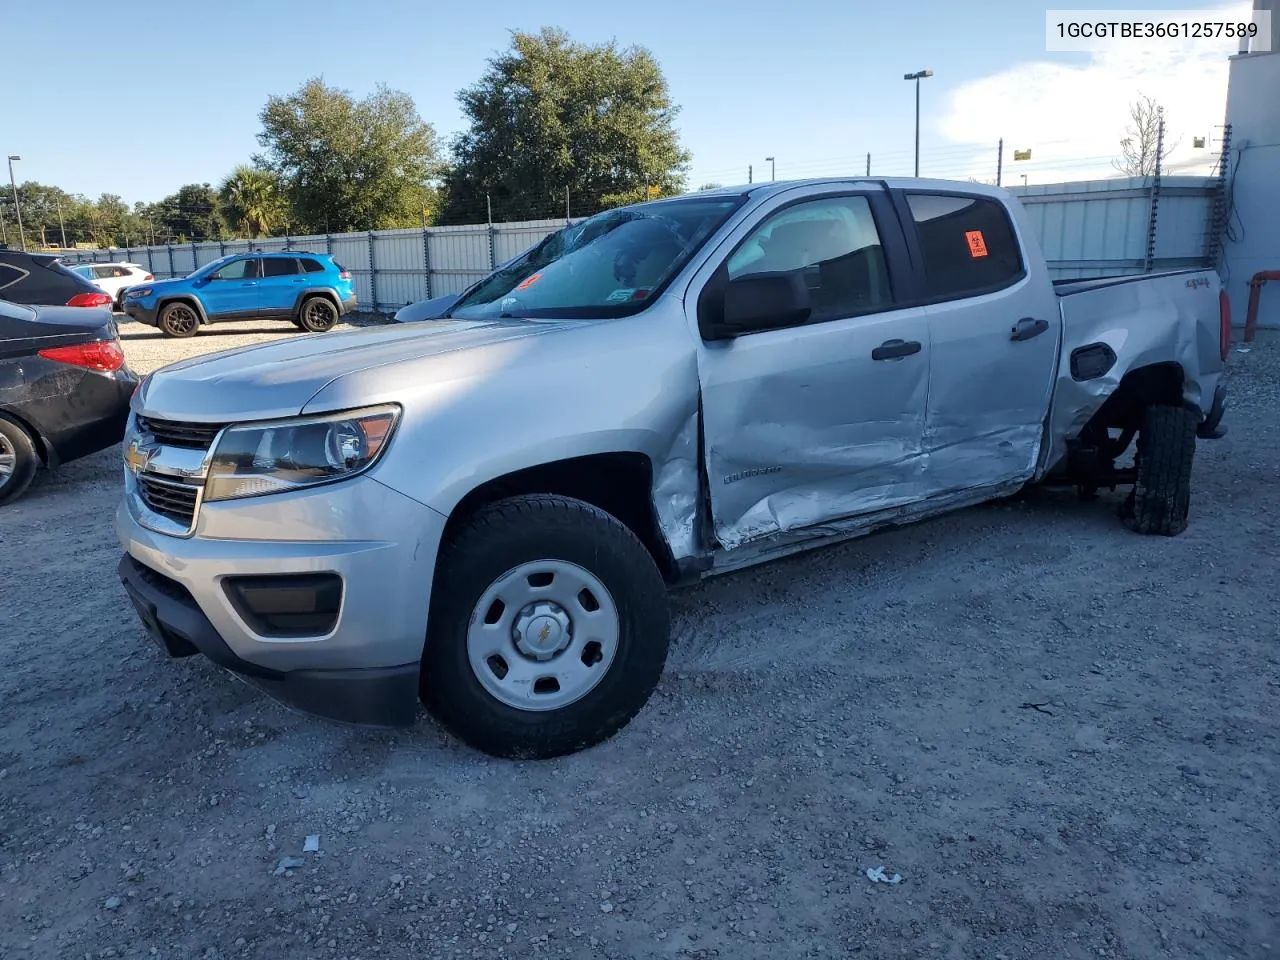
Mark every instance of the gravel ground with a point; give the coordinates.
(1062, 736)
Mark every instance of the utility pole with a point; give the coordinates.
(749, 177)
(868, 164)
(917, 77)
(773, 169)
(17, 205)
(62, 226)
(999, 161)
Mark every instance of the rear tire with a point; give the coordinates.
(1161, 497)
(179, 320)
(18, 461)
(551, 571)
(317, 315)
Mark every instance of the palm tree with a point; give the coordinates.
(252, 200)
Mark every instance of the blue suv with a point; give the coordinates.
(311, 289)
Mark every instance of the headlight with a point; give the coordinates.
(253, 460)
(138, 292)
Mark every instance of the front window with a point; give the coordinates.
(610, 265)
(237, 270)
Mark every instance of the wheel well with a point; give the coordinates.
(29, 429)
(1157, 384)
(618, 483)
(312, 294)
(182, 298)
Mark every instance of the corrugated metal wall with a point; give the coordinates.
(1099, 228)
(1086, 229)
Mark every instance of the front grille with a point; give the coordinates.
(191, 436)
(169, 498)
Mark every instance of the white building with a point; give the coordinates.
(1252, 243)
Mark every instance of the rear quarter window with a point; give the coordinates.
(312, 266)
(10, 275)
(968, 245)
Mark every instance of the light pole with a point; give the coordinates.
(917, 76)
(17, 207)
(773, 168)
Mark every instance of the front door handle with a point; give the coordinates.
(1027, 327)
(895, 349)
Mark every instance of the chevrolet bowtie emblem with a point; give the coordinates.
(544, 633)
(137, 459)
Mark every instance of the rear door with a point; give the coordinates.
(994, 332)
(281, 283)
(820, 420)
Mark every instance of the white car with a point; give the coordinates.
(114, 278)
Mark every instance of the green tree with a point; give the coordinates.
(251, 201)
(711, 186)
(189, 215)
(550, 116)
(40, 207)
(349, 164)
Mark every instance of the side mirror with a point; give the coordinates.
(762, 301)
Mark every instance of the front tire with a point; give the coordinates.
(1161, 497)
(18, 461)
(317, 315)
(179, 320)
(549, 628)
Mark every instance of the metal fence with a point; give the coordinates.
(1086, 229)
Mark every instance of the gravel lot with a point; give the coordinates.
(1062, 736)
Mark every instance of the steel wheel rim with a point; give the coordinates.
(8, 460)
(182, 319)
(543, 635)
(319, 313)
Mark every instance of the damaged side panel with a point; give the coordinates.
(803, 426)
(1142, 321)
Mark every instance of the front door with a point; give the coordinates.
(233, 290)
(825, 419)
(994, 327)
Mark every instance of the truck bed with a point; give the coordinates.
(1066, 287)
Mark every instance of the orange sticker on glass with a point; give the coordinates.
(977, 245)
(529, 282)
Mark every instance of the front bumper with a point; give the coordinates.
(381, 544)
(141, 312)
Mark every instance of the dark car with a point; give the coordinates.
(64, 389)
(37, 278)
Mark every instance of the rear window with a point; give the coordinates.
(968, 244)
(279, 266)
(312, 266)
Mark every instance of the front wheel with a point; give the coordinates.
(179, 320)
(1161, 496)
(317, 314)
(549, 628)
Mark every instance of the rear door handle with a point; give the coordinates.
(895, 349)
(249, 283)
(1027, 327)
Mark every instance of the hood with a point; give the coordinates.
(161, 284)
(277, 379)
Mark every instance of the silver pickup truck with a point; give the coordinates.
(484, 512)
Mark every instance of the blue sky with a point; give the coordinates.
(148, 96)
